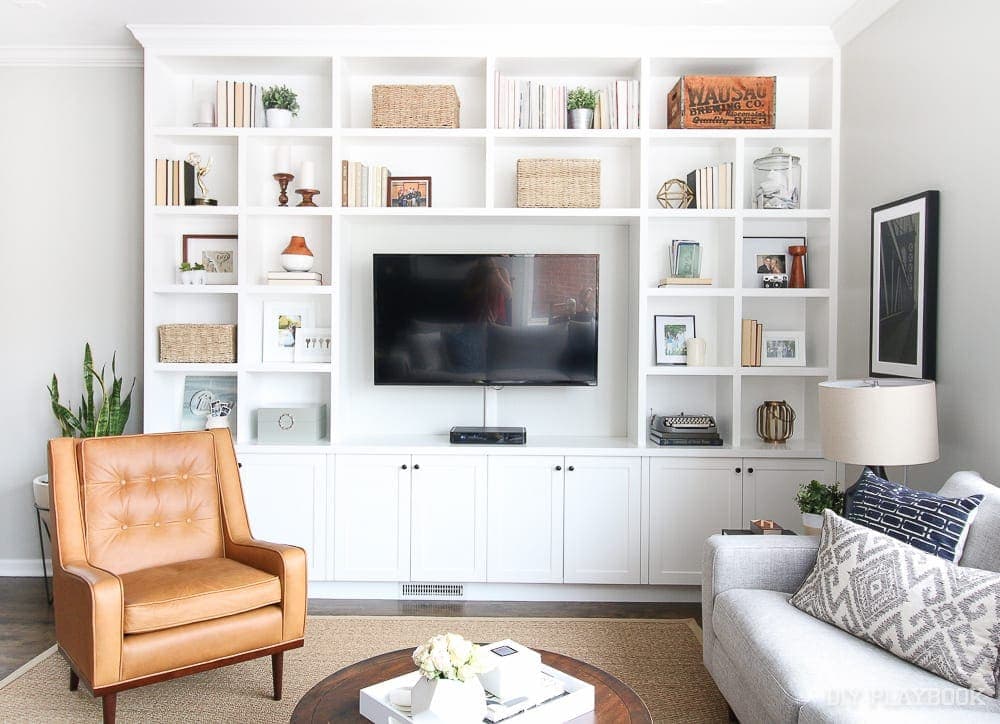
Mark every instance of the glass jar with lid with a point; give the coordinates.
(777, 178)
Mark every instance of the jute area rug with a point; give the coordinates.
(659, 658)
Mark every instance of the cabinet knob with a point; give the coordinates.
(558, 468)
(739, 470)
(749, 470)
(571, 468)
(404, 466)
(416, 466)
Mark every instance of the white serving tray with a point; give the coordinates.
(577, 701)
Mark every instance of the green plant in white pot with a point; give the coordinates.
(813, 498)
(580, 104)
(280, 104)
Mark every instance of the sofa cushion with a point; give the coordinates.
(788, 658)
(982, 547)
(932, 523)
(189, 591)
(929, 611)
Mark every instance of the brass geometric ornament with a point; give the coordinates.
(675, 194)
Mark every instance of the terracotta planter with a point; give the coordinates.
(297, 257)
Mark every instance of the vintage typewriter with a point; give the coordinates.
(684, 429)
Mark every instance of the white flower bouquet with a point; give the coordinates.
(449, 656)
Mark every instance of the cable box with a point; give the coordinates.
(489, 435)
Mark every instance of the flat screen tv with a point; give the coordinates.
(486, 319)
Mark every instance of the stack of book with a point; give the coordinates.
(236, 104)
(530, 104)
(750, 348)
(362, 185)
(295, 279)
(685, 264)
(712, 186)
(175, 184)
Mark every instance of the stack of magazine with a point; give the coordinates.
(685, 264)
(548, 689)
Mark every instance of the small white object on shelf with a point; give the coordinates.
(307, 176)
(283, 159)
(512, 669)
(206, 114)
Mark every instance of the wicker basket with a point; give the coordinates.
(415, 106)
(197, 342)
(558, 183)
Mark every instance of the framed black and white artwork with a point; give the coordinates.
(904, 287)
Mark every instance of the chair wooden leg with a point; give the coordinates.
(732, 715)
(74, 680)
(110, 702)
(277, 668)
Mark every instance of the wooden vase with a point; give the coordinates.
(297, 257)
(797, 277)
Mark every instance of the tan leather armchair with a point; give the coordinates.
(156, 573)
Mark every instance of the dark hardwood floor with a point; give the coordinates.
(27, 625)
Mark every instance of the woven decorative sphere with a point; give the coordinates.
(675, 194)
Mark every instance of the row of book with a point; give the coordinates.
(712, 186)
(362, 185)
(237, 104)
(530, 104)
(294, 279)
(174, 184)
(685, 264)
(750, 347)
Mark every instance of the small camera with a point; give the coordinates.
(775, 281)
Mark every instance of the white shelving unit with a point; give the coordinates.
(580, 440)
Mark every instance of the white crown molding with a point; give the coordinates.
(77, 56)
(857, 18)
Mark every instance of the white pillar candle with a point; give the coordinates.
(283, 159)
(206, 113)
(307, 179)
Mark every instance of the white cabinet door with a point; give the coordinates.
(524, 540)
(770, 485)
(602, 535)
(286, 502)
(689, 500)
(371, 518)
(448, 518)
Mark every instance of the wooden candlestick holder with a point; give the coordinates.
(797, 278)
(307, 196)
(283, 179)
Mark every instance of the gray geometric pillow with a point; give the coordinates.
(922, 608)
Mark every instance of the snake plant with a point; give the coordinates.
(91, 420)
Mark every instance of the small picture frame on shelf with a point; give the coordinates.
(783, 349)
(767, 262)
(313, 344)
(216, 252)
(200, 391)
(282, 322)
(671, 333)
(409, 192)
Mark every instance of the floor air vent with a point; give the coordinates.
(433, 590)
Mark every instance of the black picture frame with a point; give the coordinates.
(904, 288)
(662, 356)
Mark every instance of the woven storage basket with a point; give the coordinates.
(558, 183)
(414, 106)
(197, 342)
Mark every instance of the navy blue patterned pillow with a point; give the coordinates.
(934, 524)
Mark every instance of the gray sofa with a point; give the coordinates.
(774, 663)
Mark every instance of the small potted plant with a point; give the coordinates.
(813, 498)
(192, 273)
(280, 104)
(581, 102)
(448, 686)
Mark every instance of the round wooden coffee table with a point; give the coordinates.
(336, 698)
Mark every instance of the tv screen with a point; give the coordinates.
(486, 319)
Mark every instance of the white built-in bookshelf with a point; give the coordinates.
(473, 171)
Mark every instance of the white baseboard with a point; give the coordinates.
(24, 567)
(516, 592)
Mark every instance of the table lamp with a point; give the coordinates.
(879, 422)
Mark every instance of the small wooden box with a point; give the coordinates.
(721, 101)
(415, 106)
(558, 183)
(202, 343)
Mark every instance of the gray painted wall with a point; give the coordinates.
(71, 233)
(920, 109)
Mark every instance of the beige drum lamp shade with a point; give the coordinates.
(879, 422)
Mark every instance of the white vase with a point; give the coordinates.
(812, 523)
(213, 422)
(40, 489)
(278, 117)
(449, 700)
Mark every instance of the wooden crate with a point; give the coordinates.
(721, 101)
(415, 106)
(558, 183)
(197, 343)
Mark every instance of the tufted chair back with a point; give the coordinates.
(149, 501)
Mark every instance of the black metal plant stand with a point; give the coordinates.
(41, 545)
